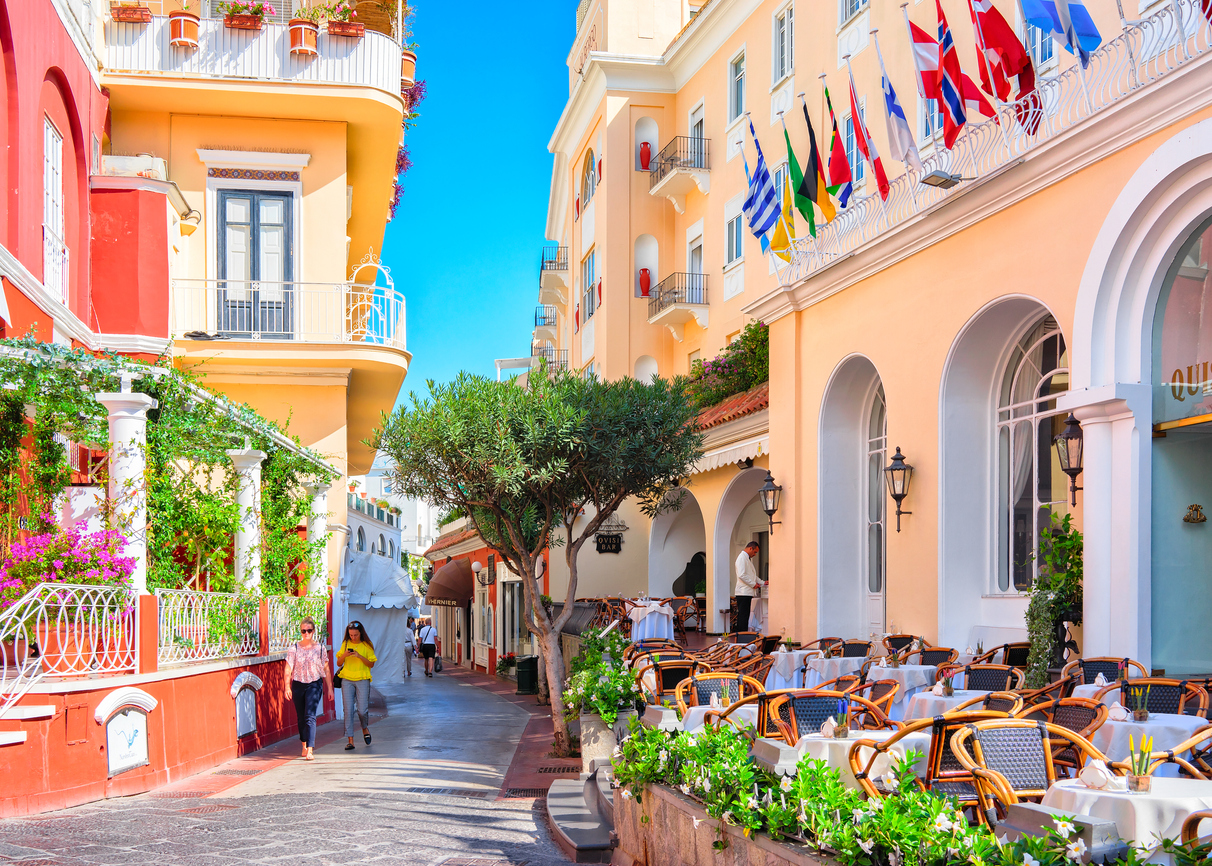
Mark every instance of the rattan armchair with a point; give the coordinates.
(1083, 716)
(755, 666)
(802, 711)
(745, 637)
(934, 655)
(1197, 766)
(684, 610)
(1007, 703)
(763, 700)
(1012, 654)
(1190, 832)
(1054, 691)
(658, 681)
(824, 643)
(985, 678)
(898, 643)
(1011, 760)
(648, 645)
(1109, 667)
(727, 687)
(856, 649)
(882, 693)
(1160, 695)
(844, 683)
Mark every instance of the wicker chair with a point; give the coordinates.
(650, 644)
(1083, 716)
(1190, 833)
(844, 683)
(802, 711)
(945, 775)
(1197, 766)
(763, 700)
(1062, 688)
(658, 681)
(1008, 703)
(727, 687)
(755, 666)
(1011, 760)
(742, 637)
(988, 678)
(935, 655)
(882, 693)
(866, 755)
(684, 610)
(1160, 695)
(898, 643)
(823, 643)
(856, 649)
(1089, 669)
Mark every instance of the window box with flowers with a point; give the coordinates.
(130, 12)
(183, 27)
(340, 20)
(244, 14)
(506, 663)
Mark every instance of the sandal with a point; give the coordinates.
(309, 756)
(366, 736)
(349, 747)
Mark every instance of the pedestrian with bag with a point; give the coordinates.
(428, 636)
(307, 678)
(356, 657)
(409, 644)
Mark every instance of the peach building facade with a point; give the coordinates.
(1061, 267)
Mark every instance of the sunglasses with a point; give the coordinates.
(307, 630)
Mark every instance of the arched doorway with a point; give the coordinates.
(736, 522)
(677, 544)
(851, 562)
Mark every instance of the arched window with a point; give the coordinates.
(589, 179)
(877, 436)
(382, 550)
(1029, 478)
(361, 540)
(391, 549)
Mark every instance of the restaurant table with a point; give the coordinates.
(836, 753)
(1166, 729)
(912, 678)
(1140, 818)
(785, 673)
(650, 619)
(927, 705)
(1089, 691)
(822, 670)
(693, 720)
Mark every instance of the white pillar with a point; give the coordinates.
(127, 465)
(248, 498)
(317, 527)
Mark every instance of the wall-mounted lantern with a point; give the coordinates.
(898, 474)
(770, 493)
(1069, 445)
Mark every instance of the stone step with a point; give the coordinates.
(580, 824)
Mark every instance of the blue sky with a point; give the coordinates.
(496, 83)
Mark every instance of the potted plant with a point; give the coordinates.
(183, 27)
(601, 694)
(244, 14)
(305, 30)
(1055, 598)
(340, 17)
(408, 66)
(130, 11)
(506, 663)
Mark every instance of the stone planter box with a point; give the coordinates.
(669, 838)
(598, 740)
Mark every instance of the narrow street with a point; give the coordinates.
(428, 790)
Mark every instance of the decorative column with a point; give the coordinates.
(317, 527)
(248, 497)
(127, 462)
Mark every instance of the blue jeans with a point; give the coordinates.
(359, 691)
(307, 700)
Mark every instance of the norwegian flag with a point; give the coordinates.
(950, 83)
(925, 59)
(862, 140)
(1001, 56)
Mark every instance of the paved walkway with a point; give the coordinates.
(428, 790)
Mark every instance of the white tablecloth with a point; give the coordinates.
(785, 672)
(1089, 691)
(823, 670)
(1166, 729)
(836, 753)
(1140, 818)
(693, 720)
(911, 677)
(651, 619)
(927, 705)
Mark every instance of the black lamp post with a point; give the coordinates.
(770, 494)
(898, 474)
(1069, 445)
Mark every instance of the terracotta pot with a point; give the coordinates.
(183, 29)
(14, 653)
(130, 14)
(346, 28)
(63, 649)
(304, 36)
(408, 69)
(242, 22)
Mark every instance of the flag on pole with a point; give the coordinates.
(925, 60)
(801, 197)
(784, 229)
(814, 173)
(840, 179)
(862, 140)
(900, 137)
(1206, 7)
(1002, 56)
(1068, 22)
(950, 86)
(761, 206)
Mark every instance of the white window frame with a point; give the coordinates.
(734, 240)
(589, 178)
(877, 446)
(926, 131)
(849, 9)
(736, 93)
(858, 166)
(54, 220)
(782, 44)
(589, 284)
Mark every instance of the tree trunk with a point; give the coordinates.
(555, 682)
(544, 689)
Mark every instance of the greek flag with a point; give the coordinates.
(761, 206)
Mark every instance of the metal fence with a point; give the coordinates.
(557, 359)
(554, 259)
(1143, 53)
(544, 316)
(684, 151)
(680, 288)
(202, 626)
(285, 614)
(56, 259)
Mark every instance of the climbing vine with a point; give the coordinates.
(1056, 594)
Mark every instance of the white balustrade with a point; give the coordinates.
(56, 259)
(285, 614)
(202, 626)
(1143, 53)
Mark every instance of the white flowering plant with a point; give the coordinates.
(600, 683)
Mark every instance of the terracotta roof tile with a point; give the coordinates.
(737, 406)
(449, 541)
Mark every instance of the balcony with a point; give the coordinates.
(682, 165)
(252, 56)
(678, 299)
(557, 359)
(553, 276)
(371, 509)
(263, 311)
(545, 319)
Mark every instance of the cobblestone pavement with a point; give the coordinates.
(426, 791)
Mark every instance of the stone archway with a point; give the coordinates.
(724, 548)
(674, 540)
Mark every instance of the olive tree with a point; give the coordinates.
(543, 465)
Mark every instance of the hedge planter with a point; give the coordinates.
(183, 29)
(242, 22)
(408, 69)
(598, 739)
(346, 28)
(669, 837)
(304, 37)
(130, 14)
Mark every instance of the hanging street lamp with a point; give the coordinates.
(898, 474)
(770, 494)
(1069, 446)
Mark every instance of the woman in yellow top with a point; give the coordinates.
(356, 657)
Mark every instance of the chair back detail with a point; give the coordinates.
(991, 678)
(938, 655)
(852, 649)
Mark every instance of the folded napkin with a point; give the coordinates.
(968, 650)
(829, 727)
(1119, 713)
(715, 701)
(938, 689)
(1100, 680)
(1095, 775)
(782, 647)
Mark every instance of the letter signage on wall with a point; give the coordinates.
(1182, 337)
(126, 740)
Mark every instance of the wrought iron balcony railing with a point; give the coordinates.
(555, 259)
(544, 316)
(557, 359)
(680, 288)
(684, 152)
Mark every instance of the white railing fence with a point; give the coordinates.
(65, 630)
(286, 613)
(55, 261)
(202, 626)
(289, 311)
(1144, 52)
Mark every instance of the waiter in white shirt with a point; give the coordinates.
(747, 584)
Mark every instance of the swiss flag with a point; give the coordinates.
(1001, 56)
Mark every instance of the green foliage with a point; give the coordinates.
(1056, 595)
(600, 683)
(450, 515)
(744, 364)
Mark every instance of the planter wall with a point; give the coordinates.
(242, 22)
(598, 740)
(131, 14)
(669, 838)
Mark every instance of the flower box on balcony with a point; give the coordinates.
(183, 29)
(128, 13)
(408, 69)
(242, 22)
(347, 28)
(304, 37)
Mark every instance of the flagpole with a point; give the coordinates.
(917, 75)
(790, 230)
(908, 168)
(867, 136)
(1001, 103)
(816, 253)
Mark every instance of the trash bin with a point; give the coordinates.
(528, 675)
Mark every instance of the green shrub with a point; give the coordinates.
(744, 364)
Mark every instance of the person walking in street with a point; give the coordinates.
(307, 677)
(428, 636)
(409, 643)
(356, 657)
(747, 584)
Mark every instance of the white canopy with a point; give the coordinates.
(377, 581)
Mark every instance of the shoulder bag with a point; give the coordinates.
(336, 677)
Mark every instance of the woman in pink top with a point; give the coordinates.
(306, 671)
